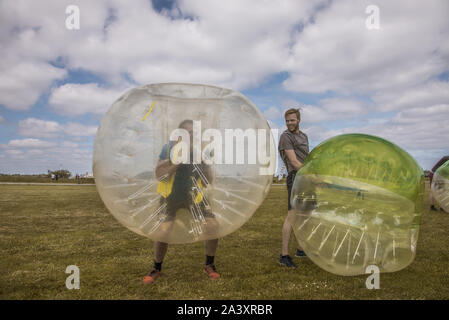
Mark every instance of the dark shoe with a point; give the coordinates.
(151, 277)
(287, 261)
(433, 208)
(300, 253)
(211, 271)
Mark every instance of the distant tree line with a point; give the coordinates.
(53, 176)
(60, 173)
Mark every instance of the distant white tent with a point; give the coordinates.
(87, 175)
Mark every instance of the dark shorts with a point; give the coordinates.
(174, 206)
(290, 178)
(307, 204)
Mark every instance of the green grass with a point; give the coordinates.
(41, 179)
(44, 229)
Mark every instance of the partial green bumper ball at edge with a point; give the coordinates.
(358, 201)
(440, 187)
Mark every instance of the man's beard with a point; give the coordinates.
(295, 128)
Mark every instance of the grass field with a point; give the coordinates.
(42, 179)
(43, 229)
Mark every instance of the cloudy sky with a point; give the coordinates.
(349, 71)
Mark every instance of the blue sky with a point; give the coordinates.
(56, 84)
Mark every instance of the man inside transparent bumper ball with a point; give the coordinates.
(180, 187)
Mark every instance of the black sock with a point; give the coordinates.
(158, 265)
(209, 260)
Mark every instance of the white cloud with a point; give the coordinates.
(37, 156)
(423, 132)
(415, 136)
(78, 99)
(428, 116)
(79, 130)
(377, 120)
(412, 134)
(235, 44)
(32, 35)
(319, 133)
(25, 71)
(230, 43)
(30, 143)
(21, 84)
(272, 113)
(329, 109)
(337, 52)
(69, 144)
(14, 152)
(35, 152)
(310, 113)
(342, 107)
(36, 128)
(425, 146)
(422, 95)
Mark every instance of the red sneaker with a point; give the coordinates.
(149, 279)
(211, 272)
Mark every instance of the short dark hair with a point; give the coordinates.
(293, 111)
(184, 122)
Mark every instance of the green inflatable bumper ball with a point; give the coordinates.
(358, 202)
(440, 187)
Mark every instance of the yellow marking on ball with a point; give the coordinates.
(151, 109)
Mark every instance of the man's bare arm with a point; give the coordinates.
(293, 160)
(165, 167)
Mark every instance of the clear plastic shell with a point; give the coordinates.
(358, 201)
(135, 139)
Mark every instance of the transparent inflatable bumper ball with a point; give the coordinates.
(180, 163)
(358, 201)
(440, 187)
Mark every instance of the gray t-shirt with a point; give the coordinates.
(293, 141)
